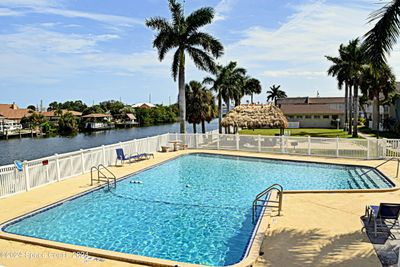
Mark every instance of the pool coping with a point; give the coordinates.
(253, 246)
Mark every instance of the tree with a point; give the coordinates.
(93, 109)
(183, 34)
(376, 83)
(379, 41)
(68, 124)
(31, 107)
(340, 70)
(112, 106)
(251, 86)
(274, 93)
(200, 105)
(54, 106)
(227, 82)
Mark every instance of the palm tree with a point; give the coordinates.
(251, 86)
(340, 70)
(227, 83)
(376, 83)
(211, 110)
(183, 34)
(354, 57)
(379, 41)
(275, 93)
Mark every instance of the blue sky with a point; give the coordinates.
(98, 50)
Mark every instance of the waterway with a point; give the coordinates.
(33, 148)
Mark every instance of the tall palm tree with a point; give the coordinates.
(340, 70)
(379, 41)
(227, 83)
(211, 110)
(251, 86)
(356, 62)
(275, 93)
(182, 33)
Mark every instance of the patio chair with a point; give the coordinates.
(386, 216)
(122, 157)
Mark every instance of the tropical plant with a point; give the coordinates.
(340, 70)
(93, 109)
(112, 106)
(274, 93)
(376, 83)
(200, 105)
(31, 107)
(68, 124)
(183, 34)
(379, 41)
(251, 86)
(227, 82)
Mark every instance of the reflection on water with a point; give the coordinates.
(32, 148)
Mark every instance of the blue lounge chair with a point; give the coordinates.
(121, 156)
(386, 216)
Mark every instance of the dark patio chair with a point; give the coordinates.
(384, 216)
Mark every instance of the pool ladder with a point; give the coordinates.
(262, 200)
(101, 176)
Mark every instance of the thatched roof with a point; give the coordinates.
(255, 116)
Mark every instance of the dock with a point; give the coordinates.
(18, 133)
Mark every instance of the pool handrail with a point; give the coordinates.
(383, 163)
(276, 187)
(103, 177)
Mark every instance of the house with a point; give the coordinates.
(144, 105)
(125, 120)
(13, 113)
(55, 116)
(97, 122)
(313, 112)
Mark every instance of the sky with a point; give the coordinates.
(95, 50)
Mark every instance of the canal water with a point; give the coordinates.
(33, 148)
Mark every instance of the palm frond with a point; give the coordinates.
(201, 59)
(199, 18)
(209, 43)
(175, 64)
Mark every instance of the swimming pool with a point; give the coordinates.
(195, 208)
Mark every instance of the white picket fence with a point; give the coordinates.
(55, 168)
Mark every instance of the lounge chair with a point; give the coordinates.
(121, 156)
(385, 216)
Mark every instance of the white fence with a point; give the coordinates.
(55, 168)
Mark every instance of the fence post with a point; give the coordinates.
(309, 145)
(26, 172)
(196, 136)
(103, 149)
(384, 148)
(237, 141)
(82, 161)
(218, 136)
(337, 146)
(368, 148)
(58, 167)
(259, 143)
(282, 144)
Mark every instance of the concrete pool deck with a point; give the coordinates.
(321, 229)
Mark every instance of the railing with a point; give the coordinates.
(383, 163)
(101, 176)
(56, 168)
(266, 202)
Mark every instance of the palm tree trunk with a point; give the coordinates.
(220, 111)
(182, 100)
(194, 128)
(350, 130)
(203, 126)
(375, 114)
(346, 105)
(356, 104)
(252, 98)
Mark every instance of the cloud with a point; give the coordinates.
(314, 30)
(300, 73)
(223, 7)
(6, 12)
(35, 40)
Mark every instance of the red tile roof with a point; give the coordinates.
(12, 112)
(310, 100)
(96, 115)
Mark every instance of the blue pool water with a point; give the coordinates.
(195, 208)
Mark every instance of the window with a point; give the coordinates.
(334, 117)
(308, 116)
(326, 117)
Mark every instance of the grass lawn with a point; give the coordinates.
(372, 133)
(313, 132)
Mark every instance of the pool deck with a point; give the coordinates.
(315, 229)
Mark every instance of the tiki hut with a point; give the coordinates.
(255, 116)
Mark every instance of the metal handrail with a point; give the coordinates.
(104, 176)
(383, 163)
(279, 189)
